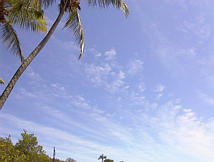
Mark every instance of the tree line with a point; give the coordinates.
(26, 149)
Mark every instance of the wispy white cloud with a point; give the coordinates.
(33, 75)
(141, 87)
(206, 65)
(135, 66)
(117, 83)
(98, 73)
(207, 99)
(65, 45)
(23, 93)
(174, 132)
(95, 52)
(106, 75)
(110, 54)
(80, 102)
(136, 98)
(159, 88)
(198, 27)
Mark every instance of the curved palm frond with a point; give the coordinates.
(28, 15)
(115, 3)
(1, 81)
(74, 23)
(9, 36)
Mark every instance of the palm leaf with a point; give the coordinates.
(28, 15)
(74, 24)
(9, 36)
(115, 3)
(1, 81)
(47, 3)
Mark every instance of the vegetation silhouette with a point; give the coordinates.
(102, 157)
(27, 149)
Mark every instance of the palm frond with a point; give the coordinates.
(47, 3)
(1, 81)
(28, 15)
(9, 36)
(74, 24)
(125, 9)
(115, 3)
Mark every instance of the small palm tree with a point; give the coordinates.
(73, 22)
(103, 157)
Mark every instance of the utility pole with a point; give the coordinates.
(54, 153)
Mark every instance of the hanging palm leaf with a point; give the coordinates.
(9, 36)
(26, 14)
(74, 24)
(115, 3)
(1, 81)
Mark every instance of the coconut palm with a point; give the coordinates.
(26, 14)
(103, 157)
(23, 13)
(69, 7)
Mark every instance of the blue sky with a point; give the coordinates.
(143, 91)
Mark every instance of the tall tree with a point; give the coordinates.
(25, 150)
(70, 160)
(73, 22)
(28, 146)
(102, 157)
(26, 14)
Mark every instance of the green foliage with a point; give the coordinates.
(7, 150)
(29, 147)
(108, 160)
(1, 81)
(26, 14)
(25, 150)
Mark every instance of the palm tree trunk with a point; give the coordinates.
(29, 59)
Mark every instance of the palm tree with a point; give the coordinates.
(102, 157)
(73, 22)
(24, 13)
